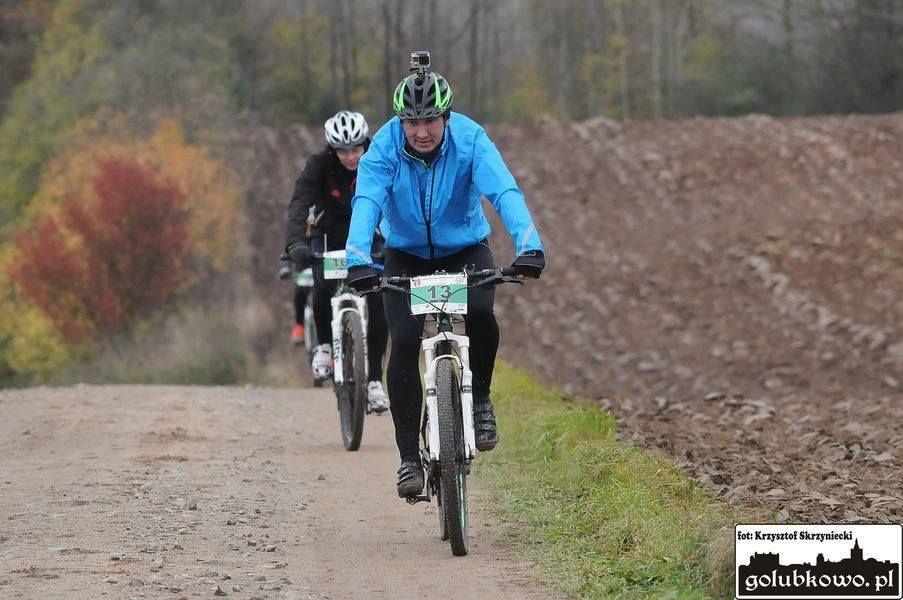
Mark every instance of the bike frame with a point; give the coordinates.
(455, 347)
(342, 302)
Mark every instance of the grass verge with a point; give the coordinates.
(600, 519)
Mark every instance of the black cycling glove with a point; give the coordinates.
(285, 271)
(363, 278)
(530, 264)
(300, 254)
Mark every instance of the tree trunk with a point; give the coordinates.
(489, 65)
(352, 41)
(895, 46)
(401, 43)
(475, 6)
(622, 62)
(656, 52)
(306, 79)
(344, 50)
(431, 25)
(787, 21)
(674, 50)
(333, 60)
(386, 102)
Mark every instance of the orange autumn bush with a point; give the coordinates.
(95, 266)
(212, 189)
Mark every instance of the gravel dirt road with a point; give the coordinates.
(183, 492)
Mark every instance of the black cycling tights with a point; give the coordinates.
(405, 389)
(377, 332)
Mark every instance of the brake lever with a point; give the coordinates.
(394, 288)
(484, 283)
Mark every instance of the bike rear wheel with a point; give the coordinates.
(352, 392)
(453, 477)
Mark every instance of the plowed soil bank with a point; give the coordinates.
(733, 290)
(177, 492)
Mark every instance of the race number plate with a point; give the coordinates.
(305, 278)
(439, 293)
(334, 266)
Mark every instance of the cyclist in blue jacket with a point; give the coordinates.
(424, 174)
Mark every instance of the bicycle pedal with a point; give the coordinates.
(416, 499)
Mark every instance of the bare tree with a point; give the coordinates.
(343, 35)
(787, 21)
(622, 62)
(475, 9)
(656, 55)
(385, 103)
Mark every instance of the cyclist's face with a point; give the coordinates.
(424, 134)
(350, 157)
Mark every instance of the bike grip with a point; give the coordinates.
(509, 271)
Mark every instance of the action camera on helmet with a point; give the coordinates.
(420, 61)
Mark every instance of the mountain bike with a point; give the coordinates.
(447, 430)
(304, 279)
(349, 350)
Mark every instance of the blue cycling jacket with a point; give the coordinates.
(435, 211)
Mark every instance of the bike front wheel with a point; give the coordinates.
(310, 333)
(453, 476)
(352, 392)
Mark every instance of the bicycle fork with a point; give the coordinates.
(338, 311)
(429, 347)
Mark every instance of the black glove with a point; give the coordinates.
(285, 272)
(300, 254)
(363, 279)
(530, 264)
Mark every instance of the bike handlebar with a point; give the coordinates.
(286, 257)
(484, 277)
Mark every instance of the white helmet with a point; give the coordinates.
(346, 129)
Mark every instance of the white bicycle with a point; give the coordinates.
(349, 350)
(447, 431)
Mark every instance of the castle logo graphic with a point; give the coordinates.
(819, 561)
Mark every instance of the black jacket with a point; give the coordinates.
(328, 186)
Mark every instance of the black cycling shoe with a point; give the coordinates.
(410, 479)
(484, 424)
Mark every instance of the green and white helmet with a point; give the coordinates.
(422, 96)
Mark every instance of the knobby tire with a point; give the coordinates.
(352, 393)
(451, 457)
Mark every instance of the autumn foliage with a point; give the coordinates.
(96, 265)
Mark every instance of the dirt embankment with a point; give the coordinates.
(731, 288)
